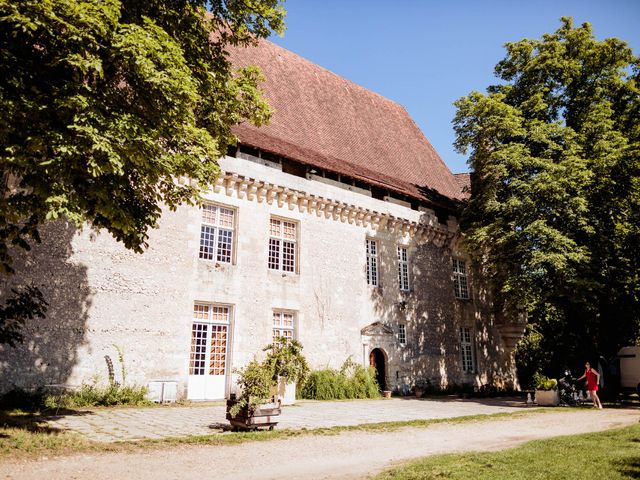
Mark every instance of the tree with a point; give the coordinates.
(554, 215)
(105, 105)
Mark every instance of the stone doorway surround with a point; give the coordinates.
(378, 340)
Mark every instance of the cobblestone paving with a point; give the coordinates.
(109, 425)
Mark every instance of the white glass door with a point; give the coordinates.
(208, 356)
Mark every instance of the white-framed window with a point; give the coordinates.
(209, 339)
(403, 268)
(216, 233)
(282, 245)
(460, 284)
(402, 334)
(372, 262)
(283, 325)
(466, 349)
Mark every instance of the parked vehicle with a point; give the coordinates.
(629, 358)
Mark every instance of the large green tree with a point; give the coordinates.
(554, 215)
(106, 104)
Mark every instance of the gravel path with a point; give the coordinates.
(353, 454)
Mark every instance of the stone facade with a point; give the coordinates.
(102, 295)
(344, 168)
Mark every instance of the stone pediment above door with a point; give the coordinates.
(376, 328)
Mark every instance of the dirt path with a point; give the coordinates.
(347, 455)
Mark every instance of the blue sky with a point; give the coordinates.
(426, 54)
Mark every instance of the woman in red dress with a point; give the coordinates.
(593, 378)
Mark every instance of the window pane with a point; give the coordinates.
(218, 352)
(225, 240)
(283, 325)
(198, 349)
(226, 217)
(404, 277)
(288, 256)
(201, 312)
(274, 254)
(220, 314)
(372, 262)
(207, 241)
(289, 230)
(373, 271)
(274, 228)
(466, 349)
(209, 213)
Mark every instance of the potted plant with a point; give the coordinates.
(421, 387)
(546, 391)
(255, 406)
(258, 404)
(289, 367)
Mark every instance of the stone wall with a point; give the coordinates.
(102, 295)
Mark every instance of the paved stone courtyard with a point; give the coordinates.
(109, 425)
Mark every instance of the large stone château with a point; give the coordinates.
(335, 225)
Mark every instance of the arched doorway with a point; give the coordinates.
(377, 361)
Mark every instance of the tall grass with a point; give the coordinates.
(92, 395)
(351, 381)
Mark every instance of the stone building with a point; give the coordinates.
(334, 225)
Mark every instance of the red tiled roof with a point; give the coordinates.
(329, 122)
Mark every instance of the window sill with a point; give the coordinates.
(280, 273)
(216, 265)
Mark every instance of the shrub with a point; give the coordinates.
(351, 381)
(545, 383)
(257, 383)
(93, 395)
(285, 359)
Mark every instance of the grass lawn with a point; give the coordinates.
(612, 455)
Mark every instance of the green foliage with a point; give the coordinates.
(613, 452)
(105, 105)
(94, 395)
(545, 383)
(123, 368)
(554, 216)
(257, 383)
(351, 381)
(285, 359)
(24, 304)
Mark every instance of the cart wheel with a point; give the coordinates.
(271, 427)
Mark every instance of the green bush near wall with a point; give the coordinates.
(91, 395)
(351, 381)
